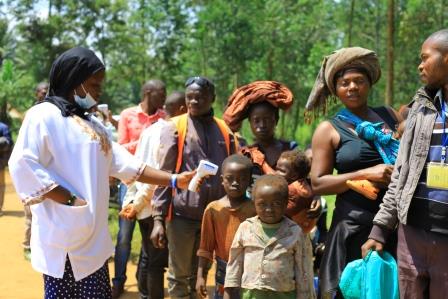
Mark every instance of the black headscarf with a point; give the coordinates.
(68, 71)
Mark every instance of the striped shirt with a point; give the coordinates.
(429, 206)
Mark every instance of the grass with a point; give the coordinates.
(113, 228)
(331, 199)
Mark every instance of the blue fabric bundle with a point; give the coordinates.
(386, 145)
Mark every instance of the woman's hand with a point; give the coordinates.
(184, 178)
(380, 173)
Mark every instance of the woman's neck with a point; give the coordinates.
(361, 112)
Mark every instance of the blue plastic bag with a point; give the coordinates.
(374, 277)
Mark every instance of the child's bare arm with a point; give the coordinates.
(205, 251)
(201, 282)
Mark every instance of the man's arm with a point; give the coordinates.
(168, 158)
(163, 196)
(123, 136)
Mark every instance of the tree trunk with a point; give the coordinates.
(442, 13)
(390, 53)
(350, 22)
(4, 114)
(50, 6)
(378, 27)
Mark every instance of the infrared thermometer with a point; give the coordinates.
(205, 168)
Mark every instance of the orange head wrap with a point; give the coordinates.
(275, 93)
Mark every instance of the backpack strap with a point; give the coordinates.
(225, 131)
(181, 125)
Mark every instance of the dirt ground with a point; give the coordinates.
(17, 278)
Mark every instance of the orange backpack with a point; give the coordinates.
(181, 122)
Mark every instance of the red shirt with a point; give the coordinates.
(132, 122)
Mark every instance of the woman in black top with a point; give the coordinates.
(347, 74)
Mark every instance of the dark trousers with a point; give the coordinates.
(183, 236)
(152, 264)
(422, 263)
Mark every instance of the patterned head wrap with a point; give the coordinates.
(342, 59)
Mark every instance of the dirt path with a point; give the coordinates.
(17, 278)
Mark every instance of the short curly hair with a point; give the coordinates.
(299, 161)
(274, 181)
(238, 159)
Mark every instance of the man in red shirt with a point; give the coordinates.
(132, 123)
(135, 119)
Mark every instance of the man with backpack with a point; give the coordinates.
(186, 140)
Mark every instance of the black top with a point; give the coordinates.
(353, 214)
(355, 153)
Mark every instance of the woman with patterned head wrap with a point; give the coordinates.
(358, 143)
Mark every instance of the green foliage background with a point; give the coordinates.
(232, 42)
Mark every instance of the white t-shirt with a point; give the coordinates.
(78, 155)
(147, 151)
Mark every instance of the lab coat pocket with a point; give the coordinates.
(71, 226)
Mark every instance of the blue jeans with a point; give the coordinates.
(123, 247)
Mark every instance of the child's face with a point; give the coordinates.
(262, 122)
(285, 169)
(235, 179)
(270, 207)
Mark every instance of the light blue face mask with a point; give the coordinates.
(86, 102)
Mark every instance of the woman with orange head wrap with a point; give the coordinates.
(260, 102)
